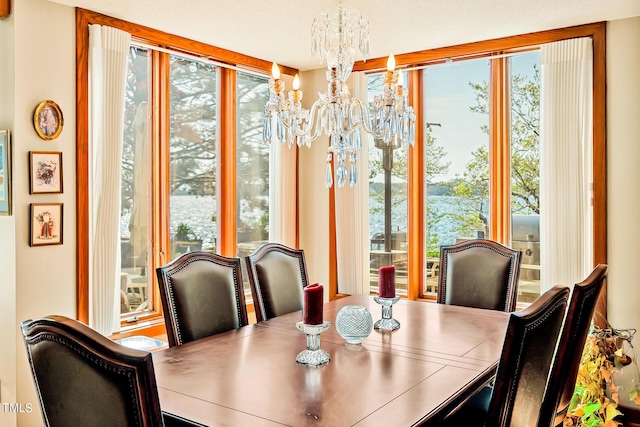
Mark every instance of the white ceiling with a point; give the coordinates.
(280, 30)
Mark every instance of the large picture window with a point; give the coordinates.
(189, 108)
(475, 169)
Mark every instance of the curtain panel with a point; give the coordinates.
(283, 178)
(352, 215)
(566, 214)
(108, 54)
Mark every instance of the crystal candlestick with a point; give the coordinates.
(387, 323)
(313, 355)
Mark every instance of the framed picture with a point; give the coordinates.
(46, 224)
(45, 172)
(5, 173)
(48, 120)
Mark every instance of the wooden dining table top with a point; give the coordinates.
(440, 355)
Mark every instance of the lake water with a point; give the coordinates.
(197, 212)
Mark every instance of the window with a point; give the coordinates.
(252, 177)
(135, 185)
(387, 203)
(525, 169)
(192, 156)
(474, 170)
(458, 152)
(186, 115)
(456, 158)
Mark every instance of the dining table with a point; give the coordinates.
(439, 357)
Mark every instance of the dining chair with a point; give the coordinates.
(572, 340)
(202, 295)
(520, 382)
(479, 273)
(277, 275)
(84, 379)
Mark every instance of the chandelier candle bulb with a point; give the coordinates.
(296, 93)
(390, 77)
(278, 85)
(387, 282)
(275, 71)
(313, 302)
(391, 63)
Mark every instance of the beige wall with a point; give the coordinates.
(623, 172)
(313, 195)
(37, 62)
(7, 238)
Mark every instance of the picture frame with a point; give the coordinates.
(45, 172)
(48, 120)
(46, 224)
(5, 172)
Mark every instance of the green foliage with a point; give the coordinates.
(591, 405)
(184, 232)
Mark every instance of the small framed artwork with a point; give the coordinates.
(5, 173)
(46, 224)
(48, 120)
(45, 172)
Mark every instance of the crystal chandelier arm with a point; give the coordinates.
(366, 121)
(304, 127)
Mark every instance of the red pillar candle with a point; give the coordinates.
(313, 302)
(387, 282)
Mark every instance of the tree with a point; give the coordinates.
(434, 165)
(193, 134)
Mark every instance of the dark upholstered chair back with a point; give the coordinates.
(574, 335)
(529, 347)
(202, 295)
(479, 273)
(84, 379)
(278, 275)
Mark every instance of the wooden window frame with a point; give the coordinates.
(500, 207)
(153, 323)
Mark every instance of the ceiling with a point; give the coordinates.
(280, 31)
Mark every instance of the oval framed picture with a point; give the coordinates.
(48, 120)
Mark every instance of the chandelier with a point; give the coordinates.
(336, 113)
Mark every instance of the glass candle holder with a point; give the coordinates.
(354, 323)
(313, 355)
(387, 323)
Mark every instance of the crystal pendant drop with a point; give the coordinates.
(412, 133)
(266, 129)
(357, 141)
(281, 132)
(341, 175)
(353, 175)
(328, 178)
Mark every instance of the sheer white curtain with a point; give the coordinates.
(352, 214)
(108, 53)
(566, 161)
(283, 178)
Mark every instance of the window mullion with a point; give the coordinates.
(499, 152)
(160, 131)
(226, 176)
(416, 193)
